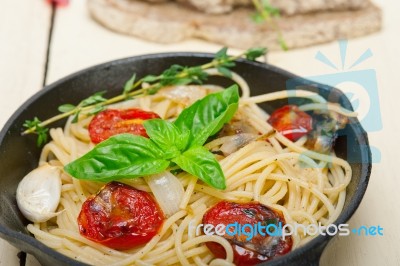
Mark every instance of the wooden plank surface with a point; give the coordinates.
(79, 42)
(24, 27)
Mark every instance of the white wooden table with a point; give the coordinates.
(28, 60)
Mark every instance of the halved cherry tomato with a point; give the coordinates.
(120, 217)
(112, 122)
(291, 122)
(247, 251)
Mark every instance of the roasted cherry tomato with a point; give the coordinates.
(112, 122)
(120, 217)
(248, 250)
(291, 122)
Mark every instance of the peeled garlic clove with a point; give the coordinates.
(39, 192)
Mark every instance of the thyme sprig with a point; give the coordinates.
(265, 12)
(175, 75)
(39, 130)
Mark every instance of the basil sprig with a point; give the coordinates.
(169, 143)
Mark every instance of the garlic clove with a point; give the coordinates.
(39, 192)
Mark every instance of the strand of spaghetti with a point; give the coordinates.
(305, 199)
(253, 108)
(329, 107)
(188, 193)
(57, 136)
(67, 187)
(199, 261)
(213, 192)
(51, 240)
(208, 258)
(174, 260)
(314, 204)
(68, 206)
(178, 240)
(305, 215)
(304, 185)
(234, 157)
(318, 156)
(265, 162)
(161, 254)
(278, 196)
(248, 165)
(142, 263)
(77, 237)
(211, 238)
(244, 180)
(162, 108)
(261, 180)
(284, 94)
(271, 191)
(288, 219)
(80, 253)
(221, 262)
(79, 189)
(202, 200)
(52, 148)
(236, 78)
(258, 123)
(168, 244)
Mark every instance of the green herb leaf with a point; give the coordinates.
(265, 11)
(39, 130)
(95, 98)
(257, 18)
(225, 71)
(150, 78)
(121, 156)
(129, 84)
(97, 109)
(76, 117)
(282, 43)
(201, 163)
(66, 108)
(207, 116)
(196, 74)
(182, 81)
(268, 8)
(254, 53)
(222, 54)
(167, 136)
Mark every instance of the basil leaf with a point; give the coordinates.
(121, 156)
(167, 136)
(207, 116)
(199, 162)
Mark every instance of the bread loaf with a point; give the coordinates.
(170, 22)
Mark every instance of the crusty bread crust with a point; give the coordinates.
(286, 7)
(171, 22)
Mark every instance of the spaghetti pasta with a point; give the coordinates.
(306, 186)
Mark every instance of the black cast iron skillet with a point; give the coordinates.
(19, 155)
